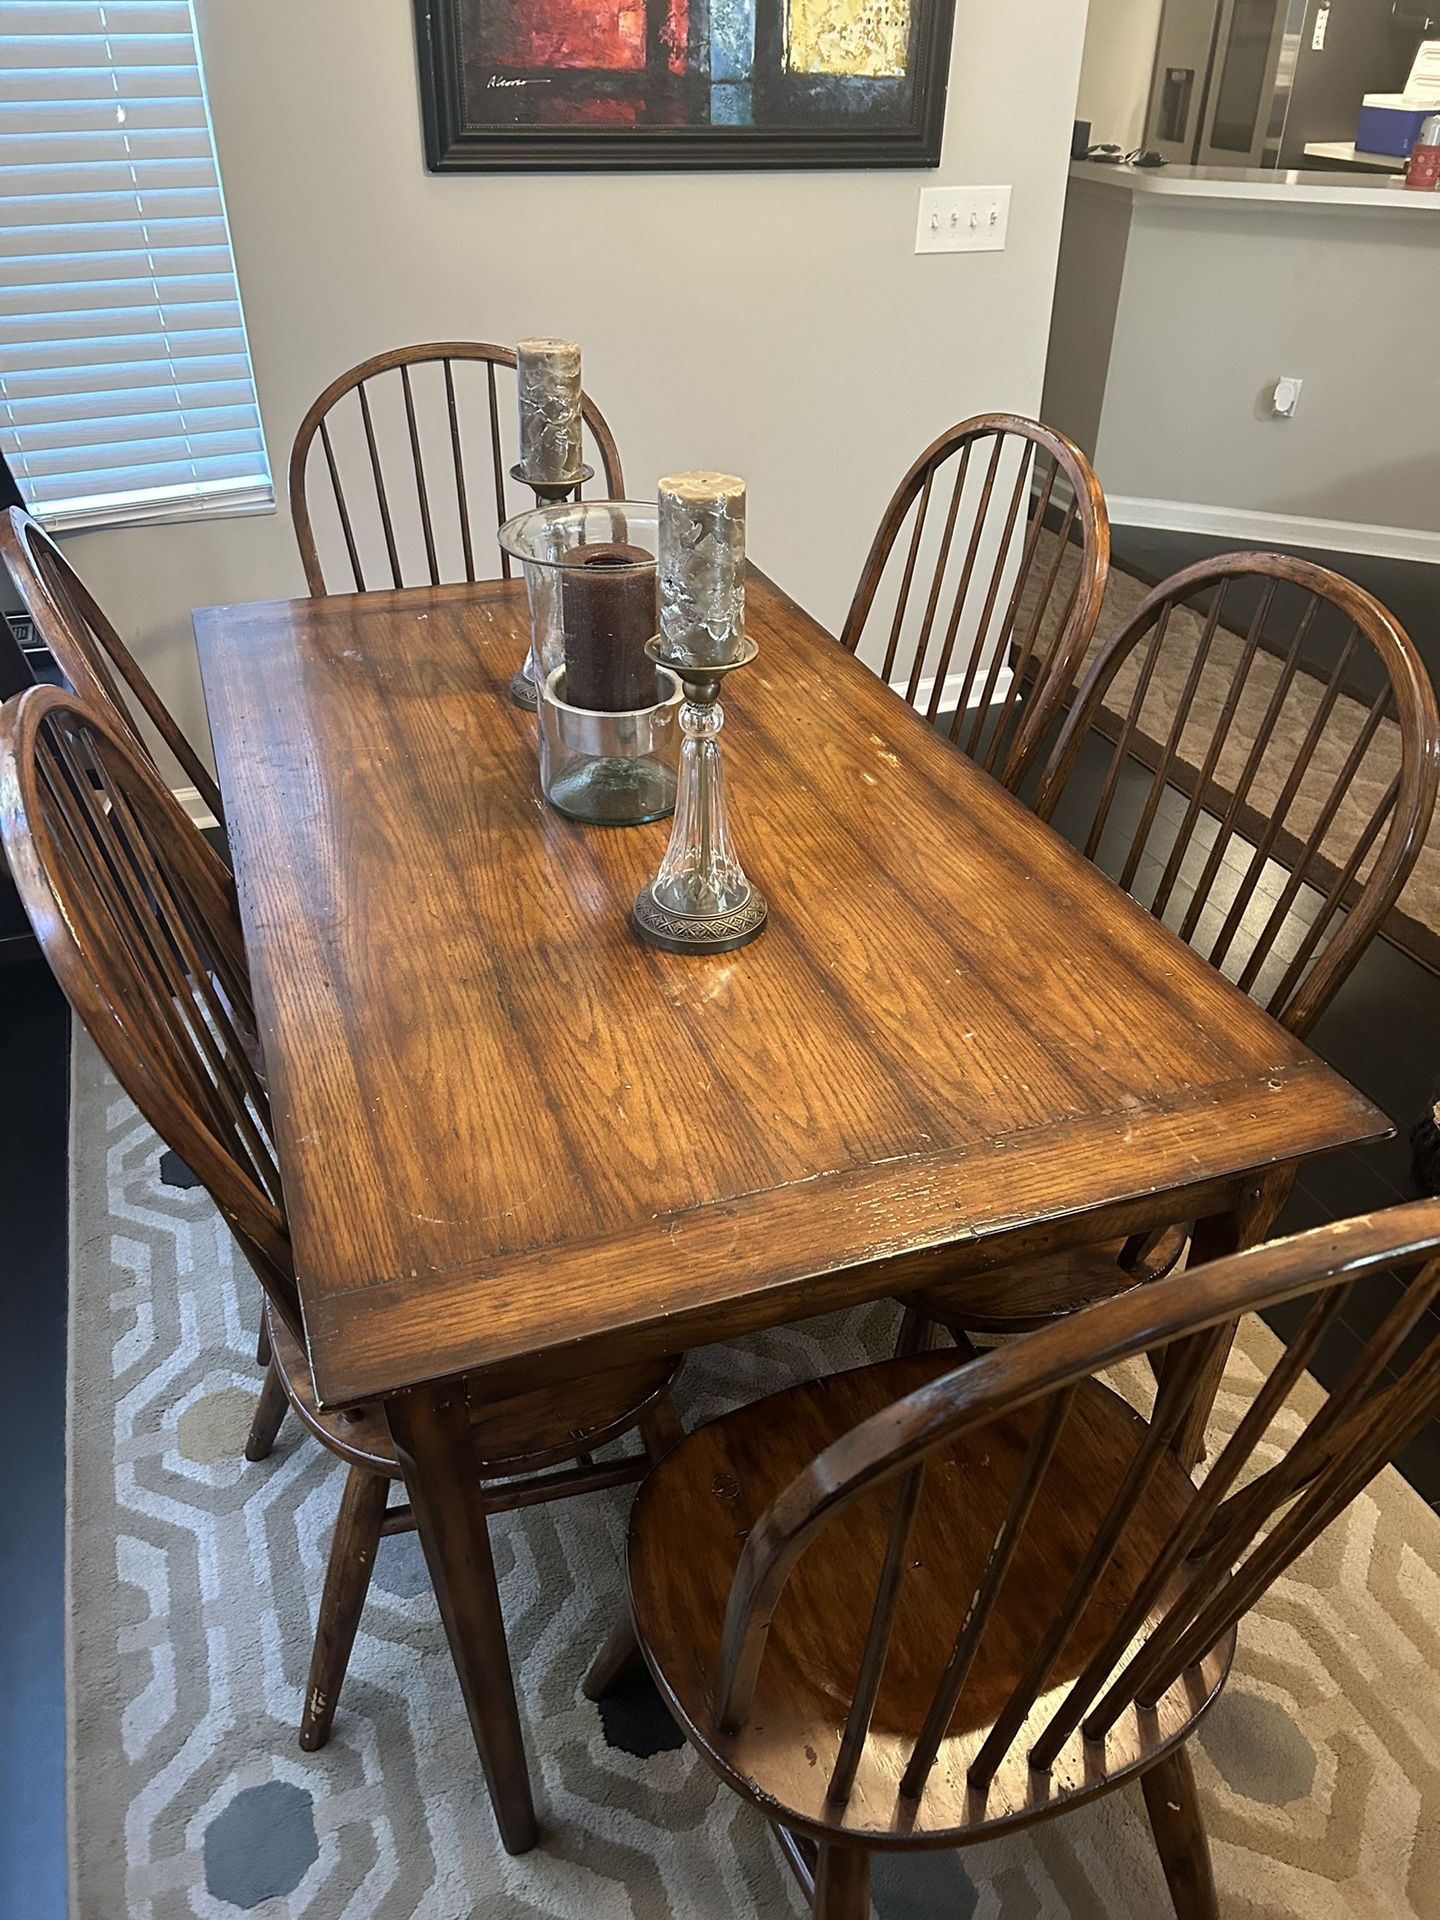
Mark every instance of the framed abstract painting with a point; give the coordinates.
(525, 85)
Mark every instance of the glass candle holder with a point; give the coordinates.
(610, 769)
(701, 901)
(551, 540)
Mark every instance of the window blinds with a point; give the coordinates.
(125, 383)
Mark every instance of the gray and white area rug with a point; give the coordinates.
(193, 1582)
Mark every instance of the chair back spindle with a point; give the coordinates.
(1006, 522)
(391, 500)
(1142, 1661)
(1262, 696)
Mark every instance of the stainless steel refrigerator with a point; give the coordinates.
(1249, 83)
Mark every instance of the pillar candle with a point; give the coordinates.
(607, 600)
(702, 567)
(549, 376)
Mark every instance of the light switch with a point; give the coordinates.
(963, 219)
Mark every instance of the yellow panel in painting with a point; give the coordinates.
(864, 39)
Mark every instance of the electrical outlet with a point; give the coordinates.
(963, 219)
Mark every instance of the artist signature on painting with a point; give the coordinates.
(513, 80)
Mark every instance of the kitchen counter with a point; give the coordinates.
(1263, 186)
(1185, 293)
(1348, 155)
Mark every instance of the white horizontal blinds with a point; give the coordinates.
(125, 382)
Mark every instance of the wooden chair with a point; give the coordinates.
(88, 650)
(1339, 790)
(913, 1606)
(993, 605)
(138, 919)
(382, 441)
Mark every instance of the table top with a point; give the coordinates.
(508, 1128)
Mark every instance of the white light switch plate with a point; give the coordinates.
(963, 219)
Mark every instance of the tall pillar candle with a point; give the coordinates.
(702, 568)
(607, 599)
(550, 401)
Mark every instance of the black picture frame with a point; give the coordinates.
(458, 140)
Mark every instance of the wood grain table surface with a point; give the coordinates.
(513, 1137)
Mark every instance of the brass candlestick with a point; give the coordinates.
(700, 900)
(525, 687)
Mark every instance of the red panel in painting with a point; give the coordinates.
(606, 34)
(677, 24)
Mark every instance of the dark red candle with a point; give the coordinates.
(609, 610)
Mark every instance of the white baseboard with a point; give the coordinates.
(189, 798)
(1285, 529)
(950, 693)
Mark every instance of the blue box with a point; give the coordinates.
(1387, 125)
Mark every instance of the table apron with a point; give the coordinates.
(856, 1286)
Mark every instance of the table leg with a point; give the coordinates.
(431, 1430)
(1246, 1224)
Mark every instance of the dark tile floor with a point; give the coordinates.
(1383, 1032)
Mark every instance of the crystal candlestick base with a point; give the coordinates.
(700, 900)
(525, 687)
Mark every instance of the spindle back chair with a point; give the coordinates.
(996, 1594)
(404, 444)
(1226, 719)
(139, 921)
(86, 646)
(989, 601)
(1246, 731)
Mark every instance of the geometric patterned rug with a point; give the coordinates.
(193, 1578)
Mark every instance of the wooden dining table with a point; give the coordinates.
(518, 1144)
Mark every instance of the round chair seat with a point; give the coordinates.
(522, 1434)
(1013, 1299)
(696, 1509)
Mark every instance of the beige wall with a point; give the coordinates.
(1174, 317)
(1120, 39)
(776, 324)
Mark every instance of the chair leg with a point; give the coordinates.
(842, 1882)
(1174, 1809)
(916, 1335)
(661, 1432)
(619, 1655)
(269, 1412)
(262, 1345)
(660, 1429)
(347, 1581)
(433, 1439)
